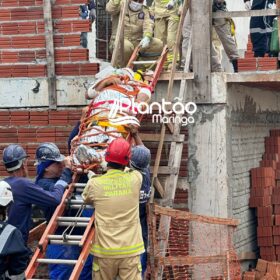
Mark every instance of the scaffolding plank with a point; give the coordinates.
(47, 9)
(201, 24)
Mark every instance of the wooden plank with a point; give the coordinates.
(178, 75)
(252, 13)
(167, 137)
(194, 217)
(47, 9)
(201, 50)
(191, 260)
(119, 41)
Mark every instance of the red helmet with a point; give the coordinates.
(118, 151)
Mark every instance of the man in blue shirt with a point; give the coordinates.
(140, 160)
(25, 192)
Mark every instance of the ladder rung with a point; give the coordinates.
(66, 224)
(67, 242)
(67, 237)
(77, 185)
(77, 206)
(57, 261)
(75, 201)
(144, 62)
(73, 219)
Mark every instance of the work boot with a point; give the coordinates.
(235, 65)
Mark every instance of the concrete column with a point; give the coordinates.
(208, 157)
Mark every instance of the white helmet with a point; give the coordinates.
(6, 195)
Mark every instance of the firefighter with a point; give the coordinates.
(138, 29)
(118, 241)
(25, 192)
(260, 27)
(225, 30)
(50, 168)
(140, 160)
(166, 15)
(14, 255)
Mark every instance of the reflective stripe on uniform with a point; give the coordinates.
(118, 251)
(4, 236)
(261, 30)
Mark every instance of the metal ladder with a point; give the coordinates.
(58, 220)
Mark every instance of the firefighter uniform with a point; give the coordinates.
(137, 25)
(223, 27)
(261, 28)
(166, 23)
(118, 241)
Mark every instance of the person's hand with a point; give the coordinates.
(248, 5)
(145, 42)
(133, 129)
(67, 162)
(84, 111)
(170, 5)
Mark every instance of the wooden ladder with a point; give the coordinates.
(167, 192)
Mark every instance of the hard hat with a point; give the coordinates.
(118, 151)
(48, 151)
(6, 195)
(13, 156)
(140, 157)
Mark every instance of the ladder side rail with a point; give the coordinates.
(169, 91)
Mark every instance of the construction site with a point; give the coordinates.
(212, 207)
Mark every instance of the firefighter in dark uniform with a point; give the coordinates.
(260, 27)
(14, 255)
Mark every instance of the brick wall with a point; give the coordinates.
(22, 40)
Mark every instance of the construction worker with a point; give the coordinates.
(50, 169)
(260, 27)
(140, 160)
(138, 29)
(225, 29)
(14, 255)
(166, 15)
(118, 241)
(25, 192)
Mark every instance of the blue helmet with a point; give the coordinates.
(48, 151)
(13, 156)
(141, 157)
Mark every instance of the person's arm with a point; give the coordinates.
(88, 195)
(113, 7)
(148, 24)
(135, 135)
(34, 194)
